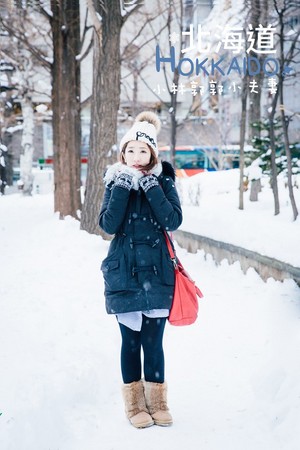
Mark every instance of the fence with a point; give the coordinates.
(265, 266)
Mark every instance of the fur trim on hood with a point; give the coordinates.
(117, 168)
(168, 170)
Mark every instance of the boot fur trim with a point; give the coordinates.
(156, 401)
(135, 405)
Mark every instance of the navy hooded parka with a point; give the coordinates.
(138, 272)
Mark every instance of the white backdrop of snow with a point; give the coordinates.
(233, 376)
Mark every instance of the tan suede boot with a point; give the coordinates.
(135, 405)
(156, 401)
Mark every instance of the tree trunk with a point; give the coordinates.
(27, 145)
(284, 123)
(65, 26)
(274, 182)
(254, 98)
(242, 140)
(254, 190)
(259, 14)
(3, 175)
(289, 165)
(105, 105)
(177, 11)
(135, 93)
(173, 111)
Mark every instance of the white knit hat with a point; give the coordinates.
(145, 128)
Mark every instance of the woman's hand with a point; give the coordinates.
(124, 180)
(148, 181)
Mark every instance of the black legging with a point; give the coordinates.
(150, 338)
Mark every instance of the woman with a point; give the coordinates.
(140, 203)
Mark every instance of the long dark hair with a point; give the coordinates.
(153, 158)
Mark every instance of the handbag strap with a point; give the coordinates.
(170, 249)
(175, 262)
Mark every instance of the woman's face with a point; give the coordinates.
(137, 154)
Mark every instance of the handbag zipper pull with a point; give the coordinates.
(174, 263)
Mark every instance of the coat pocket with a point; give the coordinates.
(114, 274)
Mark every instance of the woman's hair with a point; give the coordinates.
(153, 158)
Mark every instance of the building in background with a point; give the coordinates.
(203, 118)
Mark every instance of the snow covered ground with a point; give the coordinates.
(234, 376)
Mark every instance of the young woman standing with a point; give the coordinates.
(140, 203)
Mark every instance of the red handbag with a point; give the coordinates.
(184, 309)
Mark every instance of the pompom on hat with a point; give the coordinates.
(145, 128)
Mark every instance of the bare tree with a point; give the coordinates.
(107, 18)
(19, 26)
(258, 14)
(173, 11)
(287, 52)
(65, 26)
(139, 34)
(62, 29)
(274, 182)
(243, 122)
(283, 11)
(174, 17)
(23, 74)
(135, 69)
